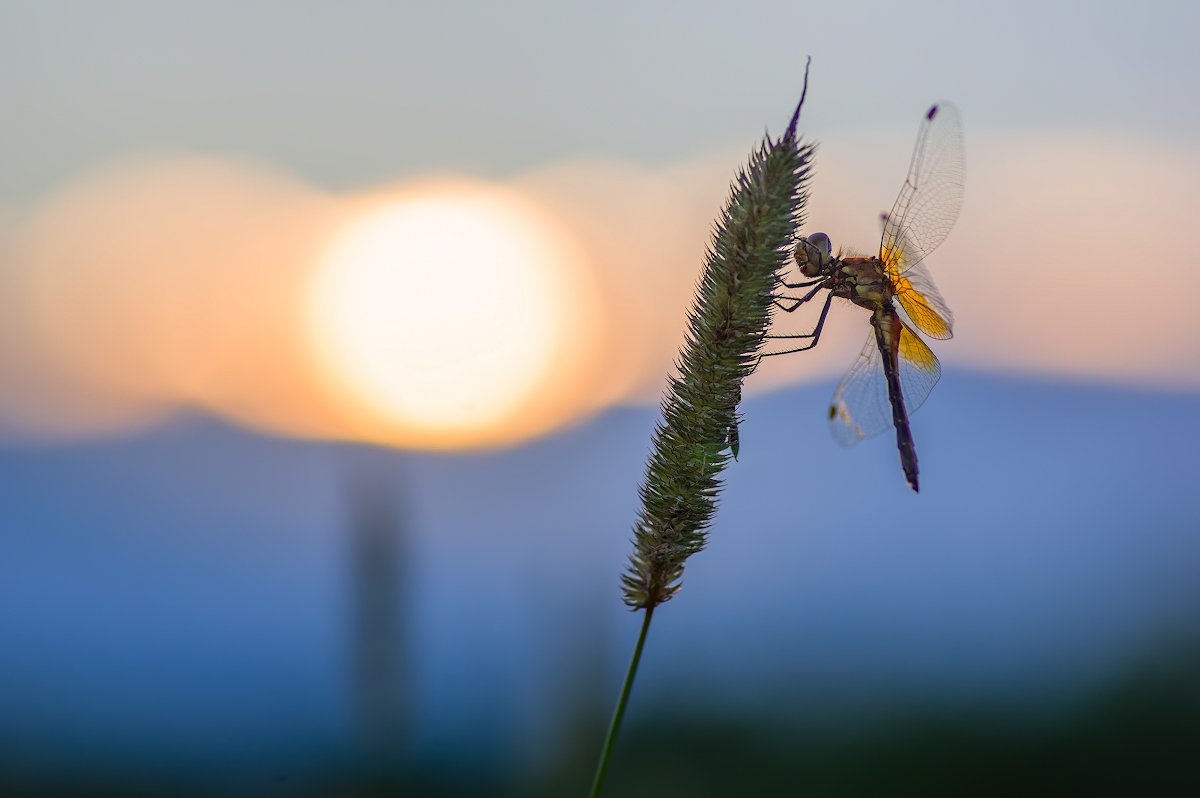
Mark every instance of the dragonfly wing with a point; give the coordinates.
(928, 204)
(922, 302)
(919, 369)
(860, 408)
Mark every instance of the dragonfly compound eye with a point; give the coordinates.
(813, 254)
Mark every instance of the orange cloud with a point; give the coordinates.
(163, 283)
(153, 284)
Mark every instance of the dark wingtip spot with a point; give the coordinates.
(832, 412)
(932, 112)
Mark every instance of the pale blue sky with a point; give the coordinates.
(357, 93)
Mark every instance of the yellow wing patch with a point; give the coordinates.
(918, 308)
(895, 260)
(916, 353)
(917, 294)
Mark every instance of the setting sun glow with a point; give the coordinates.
(441, 311)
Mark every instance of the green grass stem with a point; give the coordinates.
(619, 713)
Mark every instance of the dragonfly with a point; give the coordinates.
(896, 370)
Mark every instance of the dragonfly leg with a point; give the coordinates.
(806, 284)
(815, 335)
(796, 301)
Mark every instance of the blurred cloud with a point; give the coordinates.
(1074, 263)
(1044, 269)
(153, 283)
(1065, 259)
(162, 282)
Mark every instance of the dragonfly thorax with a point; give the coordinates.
(864, 281)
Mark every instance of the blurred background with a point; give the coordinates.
(331, 338)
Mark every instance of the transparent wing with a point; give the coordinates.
(928, 204)
(860, 408)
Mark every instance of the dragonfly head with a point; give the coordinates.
(813, 254)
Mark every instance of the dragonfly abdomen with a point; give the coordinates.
(888, 327)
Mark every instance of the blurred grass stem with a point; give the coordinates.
(619, 712)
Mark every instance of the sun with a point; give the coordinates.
(442, 311)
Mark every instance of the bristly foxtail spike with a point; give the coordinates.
(790, 133)
(749, 251)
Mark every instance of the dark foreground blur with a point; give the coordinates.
(1139, 736)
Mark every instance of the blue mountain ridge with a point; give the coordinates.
(188, 591)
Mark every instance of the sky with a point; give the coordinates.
(371, 91)
(181, 177)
